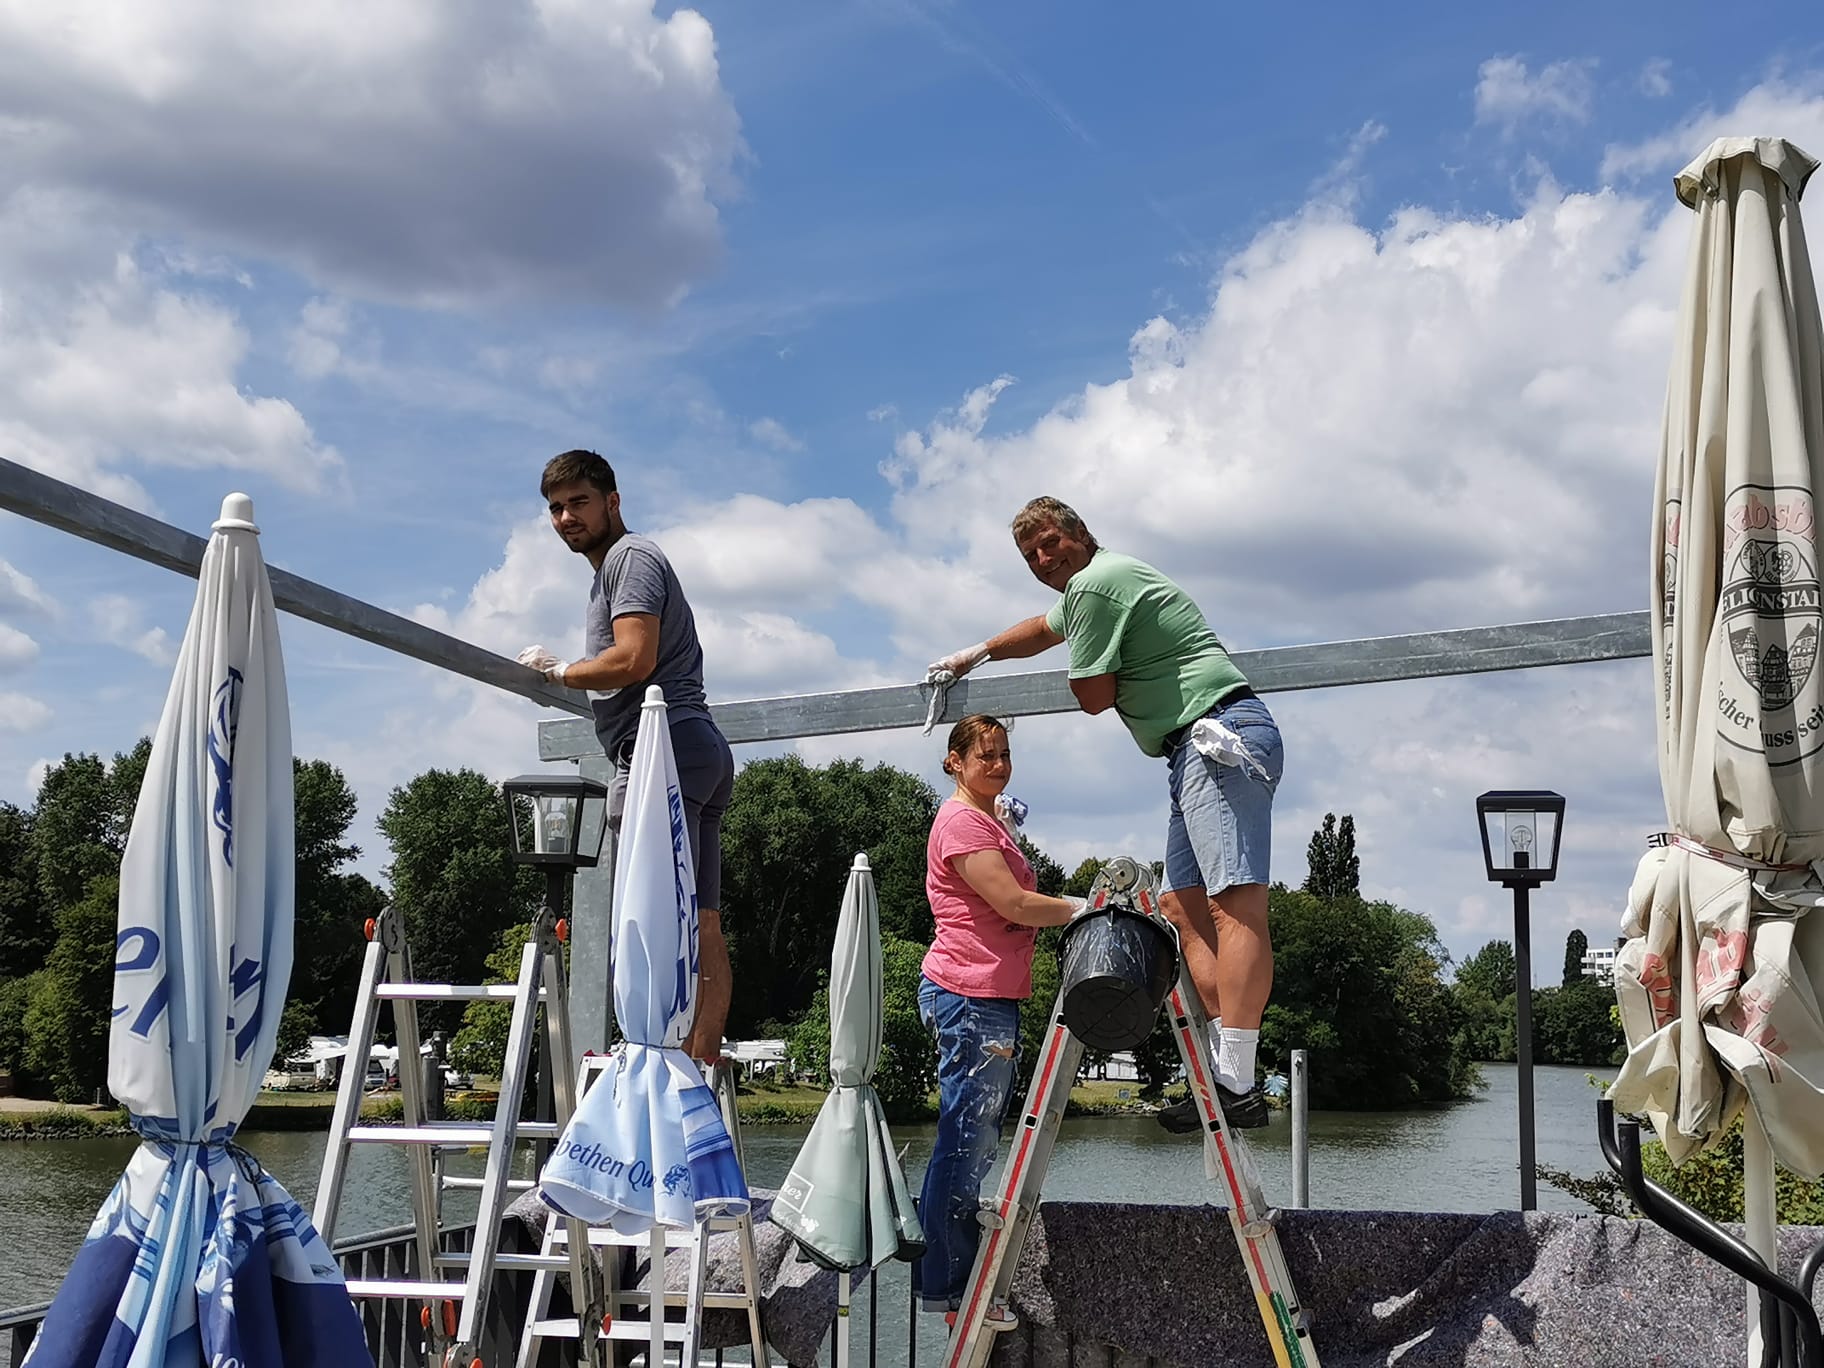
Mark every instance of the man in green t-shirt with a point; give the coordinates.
(1139, 645)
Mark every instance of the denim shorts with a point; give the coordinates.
(1221, 829)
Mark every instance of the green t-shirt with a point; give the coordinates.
(1124, 618)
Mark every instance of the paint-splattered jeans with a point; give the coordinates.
(978, 1049)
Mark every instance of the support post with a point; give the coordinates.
(1523, 1043)
(591, 930)
(1301, 1135)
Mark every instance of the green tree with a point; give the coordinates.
(453, 876)
(332, 905)
(1084, 877)
(67, 1019)
(27, 930)
(788, 839)
(907, 1070)
(296, 1026)
(1047, 873)
(15, 1001)
(1035, 1012)
(79, 827)
(1334, 869)
(480, 1046)
(1490, 971)
(1576, 945)
(1156, 1058)
(1358, 984)
(1575, 1025)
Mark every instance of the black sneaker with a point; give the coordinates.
(1243, 1111)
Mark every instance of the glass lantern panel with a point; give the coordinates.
(592, 827)
(554, 826)
(1513, 840)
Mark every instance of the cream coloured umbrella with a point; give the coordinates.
(1715, 979)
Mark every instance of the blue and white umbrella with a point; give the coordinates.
(647, 1144)
(198, 1256)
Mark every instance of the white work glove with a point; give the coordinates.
(550, 666)
(959, 664)
(1078, 906)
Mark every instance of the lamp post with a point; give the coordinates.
(557, 823)
(1520, 833)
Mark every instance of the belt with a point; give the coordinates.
(1175, 739)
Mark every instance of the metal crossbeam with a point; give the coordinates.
(93, 518)
(1370, 660)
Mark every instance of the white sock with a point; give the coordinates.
(1235, 1063)
(1215, 1035)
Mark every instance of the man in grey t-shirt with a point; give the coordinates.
(639, 630)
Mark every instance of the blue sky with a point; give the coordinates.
(1355, 326)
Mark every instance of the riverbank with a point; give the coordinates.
(24, 1118)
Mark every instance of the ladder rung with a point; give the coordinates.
(560, 1262)
(715, 1301)
(445, 1133)
(456, 1184)
(389, 1287)
(606, 1237)
(450, 992)
(641, 1332)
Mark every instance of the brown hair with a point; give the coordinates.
(577, 467)
(1046, 511)
(965, 734)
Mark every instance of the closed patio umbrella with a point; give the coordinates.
(1716, 978)
(845, 1200)
(198, 1256)
(647, 1144)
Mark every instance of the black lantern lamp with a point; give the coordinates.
(558, 823)
(1520, 835)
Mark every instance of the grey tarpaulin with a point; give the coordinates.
(1161, 1285)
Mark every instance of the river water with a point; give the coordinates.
(1458, 1158)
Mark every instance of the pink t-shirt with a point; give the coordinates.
(977, 952)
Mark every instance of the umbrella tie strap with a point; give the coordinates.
(250, 1167)
(1728, 857)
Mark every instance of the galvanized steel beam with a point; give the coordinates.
(1371, 660)
(77, 511)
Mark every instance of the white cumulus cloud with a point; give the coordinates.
(22, 713)
(119, 622)
(17, 650)
(1508, 94)
(441, 153)
(772, 433)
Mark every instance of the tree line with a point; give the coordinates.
(1360, 983)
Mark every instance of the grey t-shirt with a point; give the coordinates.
(636, 578)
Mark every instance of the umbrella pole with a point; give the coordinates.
(1760, 1217)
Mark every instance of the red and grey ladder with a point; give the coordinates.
(1007, 1217)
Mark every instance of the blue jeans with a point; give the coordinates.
(978, 1051)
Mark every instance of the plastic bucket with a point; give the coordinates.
(1117, 965)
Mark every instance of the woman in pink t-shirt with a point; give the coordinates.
(977, 972)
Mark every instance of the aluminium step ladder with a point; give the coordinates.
(1007, 1217)
(454, 1309)
(651, 1328)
